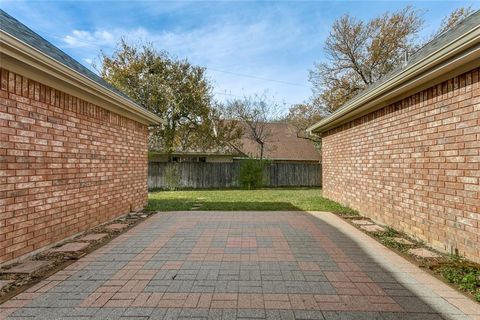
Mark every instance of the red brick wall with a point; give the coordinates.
(414, 165)
(65, 165)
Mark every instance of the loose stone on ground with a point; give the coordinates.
(26, 267)
(116, 226)
(372, 228)
(93, 237)
(403, 241)
(423, 253)
(71, 247)
(362, 222)
(3, 283)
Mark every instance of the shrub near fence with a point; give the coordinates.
(205, 175)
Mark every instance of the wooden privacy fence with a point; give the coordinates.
(203, 175)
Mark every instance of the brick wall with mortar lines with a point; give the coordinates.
(66, 165)
(414, 165)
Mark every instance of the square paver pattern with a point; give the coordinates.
(240, 265)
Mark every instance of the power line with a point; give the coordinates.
(241, 97)
(208, 68)
(256, 77)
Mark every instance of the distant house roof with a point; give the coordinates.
(442, 54)
(283, 144)
(23, 36)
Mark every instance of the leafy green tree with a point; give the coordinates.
(251, 173)
(175, 90)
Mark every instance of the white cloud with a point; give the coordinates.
(98, 38)
(253, 48)
(80, 38)
(275, 40)
(209, 43)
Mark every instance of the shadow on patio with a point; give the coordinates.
(243, 264)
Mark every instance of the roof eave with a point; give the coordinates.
(25, 53)
(460, 51)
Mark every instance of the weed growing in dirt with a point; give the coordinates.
(387, 238)
(466, 277)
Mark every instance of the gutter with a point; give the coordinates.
(25, 53)
(463, 50)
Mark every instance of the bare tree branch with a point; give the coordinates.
(359, 53)
(255, 112)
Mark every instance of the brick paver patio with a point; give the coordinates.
(241, 265)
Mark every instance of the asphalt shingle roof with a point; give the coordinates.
(437, 43)
(282, 143)
(461, 28)
(15, 28)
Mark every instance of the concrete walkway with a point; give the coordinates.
(241, 265)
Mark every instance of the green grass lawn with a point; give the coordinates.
(262, 199)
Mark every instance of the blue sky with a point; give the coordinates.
(248, 47)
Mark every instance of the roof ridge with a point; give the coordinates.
(413, 58)
(21, 32)
(426, 55)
